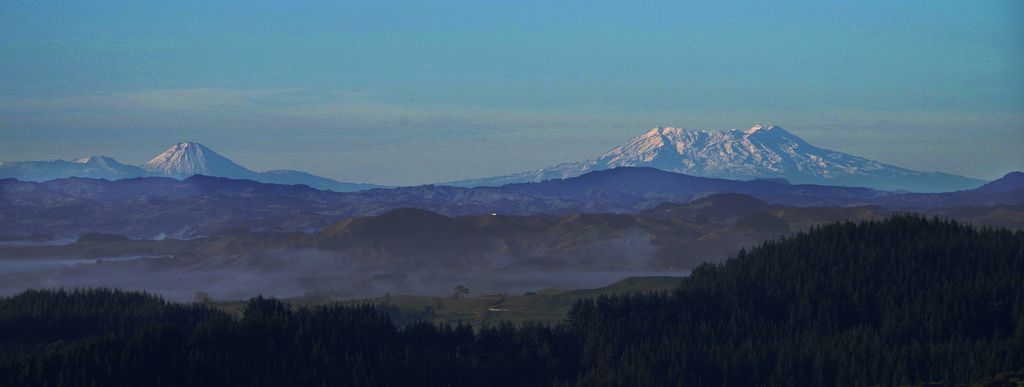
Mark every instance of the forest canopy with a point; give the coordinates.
(901, 301)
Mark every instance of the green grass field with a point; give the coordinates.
(548, 306)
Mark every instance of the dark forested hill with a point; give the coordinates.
(901, 301)
(905, 300)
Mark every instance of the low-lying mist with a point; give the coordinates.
(306, 272)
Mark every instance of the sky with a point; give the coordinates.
(414, 92)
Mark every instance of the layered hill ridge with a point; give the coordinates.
(402, 247)
(319, 237)
(203, 205)
(1010, 182)
(672, 236)
(763, 151)
(713, 208)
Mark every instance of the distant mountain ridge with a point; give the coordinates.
(1009, 182)
(95, 167)
(763, 151)
(180, 161)
(202, 205)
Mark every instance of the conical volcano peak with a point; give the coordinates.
(190, 146)
(181, 160)
(192, 158)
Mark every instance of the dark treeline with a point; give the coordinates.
(902, 301)
(906, 300)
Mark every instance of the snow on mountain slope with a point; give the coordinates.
(191, 158)
(97, 167)
(180, 161)
(763, 151)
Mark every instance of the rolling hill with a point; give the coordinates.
(202, 205)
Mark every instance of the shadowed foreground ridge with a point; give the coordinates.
(904, 300)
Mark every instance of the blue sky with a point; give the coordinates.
(418, 92)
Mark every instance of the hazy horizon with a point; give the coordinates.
(403, 93)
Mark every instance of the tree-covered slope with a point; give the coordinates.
(898, 301)
(901, 301)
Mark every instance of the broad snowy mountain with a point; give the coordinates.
(96, 167)
(763, 151)
(179, 161)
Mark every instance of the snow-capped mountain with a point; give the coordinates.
(763, 151)
(96, 167)
(190, 158)
(179, 161)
